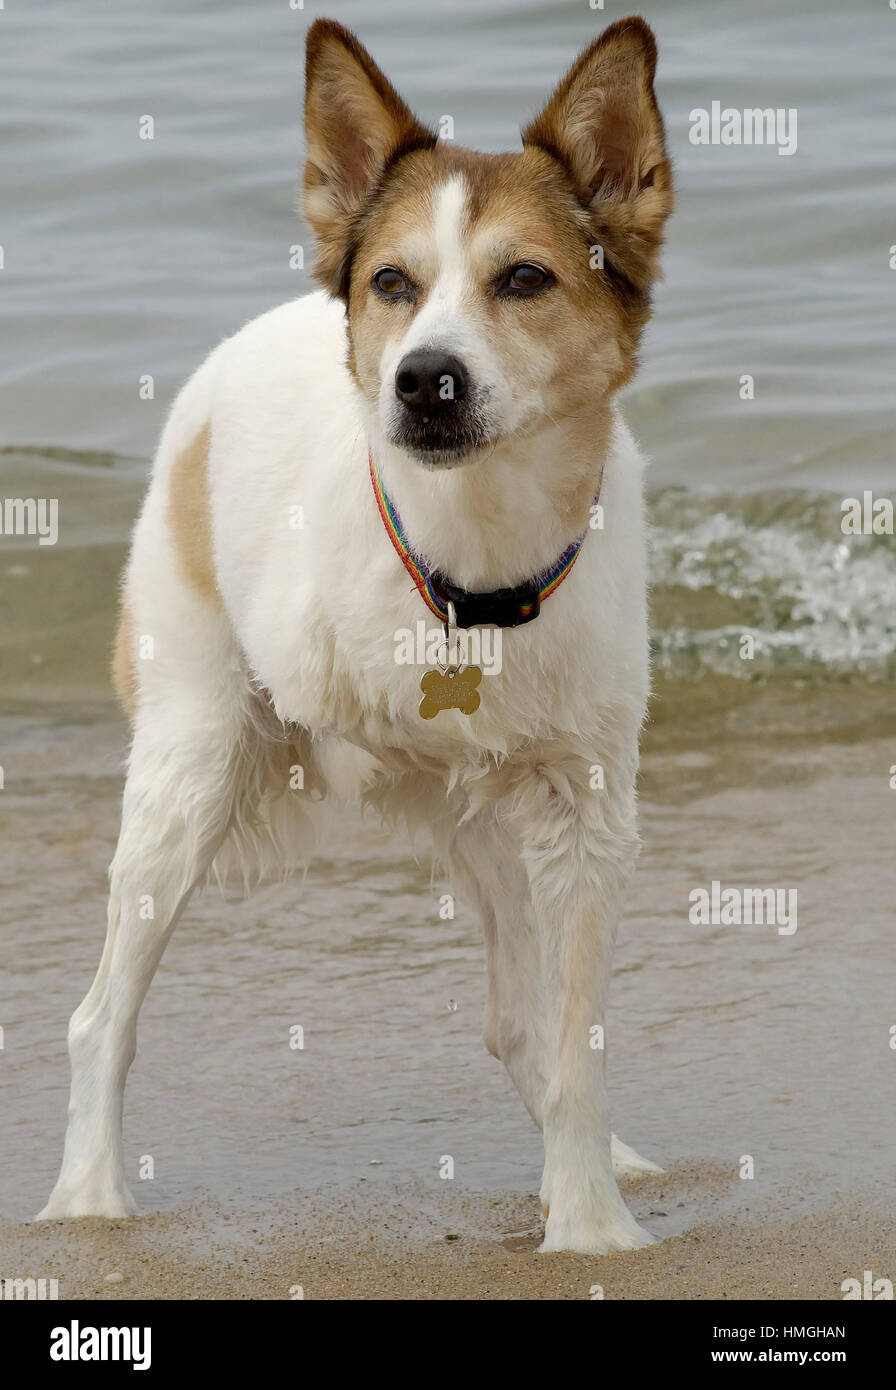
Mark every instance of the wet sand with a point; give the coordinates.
(448, 1245)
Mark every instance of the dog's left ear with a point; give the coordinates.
(355, 124)
(604, 126)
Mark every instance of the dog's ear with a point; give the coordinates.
(604, 126)
(355, 125)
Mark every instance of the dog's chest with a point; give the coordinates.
(388, 692)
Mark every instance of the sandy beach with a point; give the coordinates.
(412, 1245)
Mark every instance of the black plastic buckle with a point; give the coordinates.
(502, 607)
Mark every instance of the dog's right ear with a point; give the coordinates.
(356, 124)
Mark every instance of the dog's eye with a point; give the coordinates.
(526, 279)
(390, 283)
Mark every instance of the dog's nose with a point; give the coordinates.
(430, 379)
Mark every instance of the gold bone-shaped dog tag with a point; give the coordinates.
(451, 690)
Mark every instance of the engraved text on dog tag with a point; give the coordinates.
(452, 689)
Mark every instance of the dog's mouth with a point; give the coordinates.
(440, 439)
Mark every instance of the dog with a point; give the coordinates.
(431, 435)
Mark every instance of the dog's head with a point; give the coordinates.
(487, 294)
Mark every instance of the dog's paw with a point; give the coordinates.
(582, 1237)
(627, 1161)
(67, 1203)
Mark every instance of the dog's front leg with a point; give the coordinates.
(578, 852)
(176, 806)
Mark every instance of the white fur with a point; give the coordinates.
(302, 648)
(445, 321)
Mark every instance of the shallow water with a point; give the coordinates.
(727, 1041)
(125, 257)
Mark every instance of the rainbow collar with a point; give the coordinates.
(502, 607)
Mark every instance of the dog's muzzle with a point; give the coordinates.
(436, 417)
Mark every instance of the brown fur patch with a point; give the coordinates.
(189, 517)
(603, 126)
(356, 126)
(519, 207)
(124, 666)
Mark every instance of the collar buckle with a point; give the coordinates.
(502, 607)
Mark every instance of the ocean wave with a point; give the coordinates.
(777, 568)
(772, 566)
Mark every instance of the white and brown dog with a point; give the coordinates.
(433, 436)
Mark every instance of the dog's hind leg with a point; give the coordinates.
(487, 866)
(627, 1162)
(492, 877)
(487, 861)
